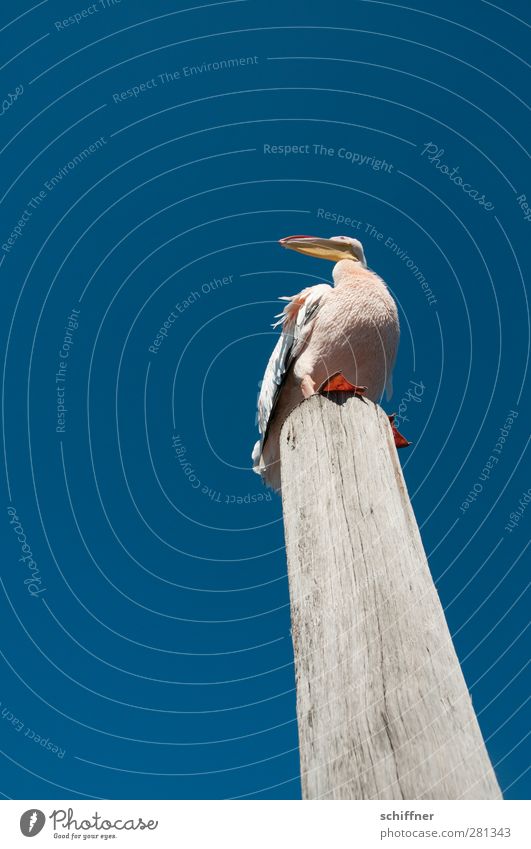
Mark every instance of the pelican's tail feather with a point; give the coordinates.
(258, 463)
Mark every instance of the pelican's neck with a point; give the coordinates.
(347, 271)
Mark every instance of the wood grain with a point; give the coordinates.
(383, 709)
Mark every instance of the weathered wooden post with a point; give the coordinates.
(383, 709)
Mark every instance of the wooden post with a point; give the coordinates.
(383, 709)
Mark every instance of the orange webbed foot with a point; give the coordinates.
(400, 441)
(339, 383)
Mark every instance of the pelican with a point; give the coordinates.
(334, 338)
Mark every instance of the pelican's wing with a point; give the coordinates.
(296, 319)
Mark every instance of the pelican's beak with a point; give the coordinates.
(314, 246)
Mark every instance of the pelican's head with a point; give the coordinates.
(336, 248)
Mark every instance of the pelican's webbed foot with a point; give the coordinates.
(339, 383)
(400, 441)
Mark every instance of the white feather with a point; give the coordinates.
(296, 319)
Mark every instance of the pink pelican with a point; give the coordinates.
(334, 338)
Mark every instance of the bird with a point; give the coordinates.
(334, 338)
